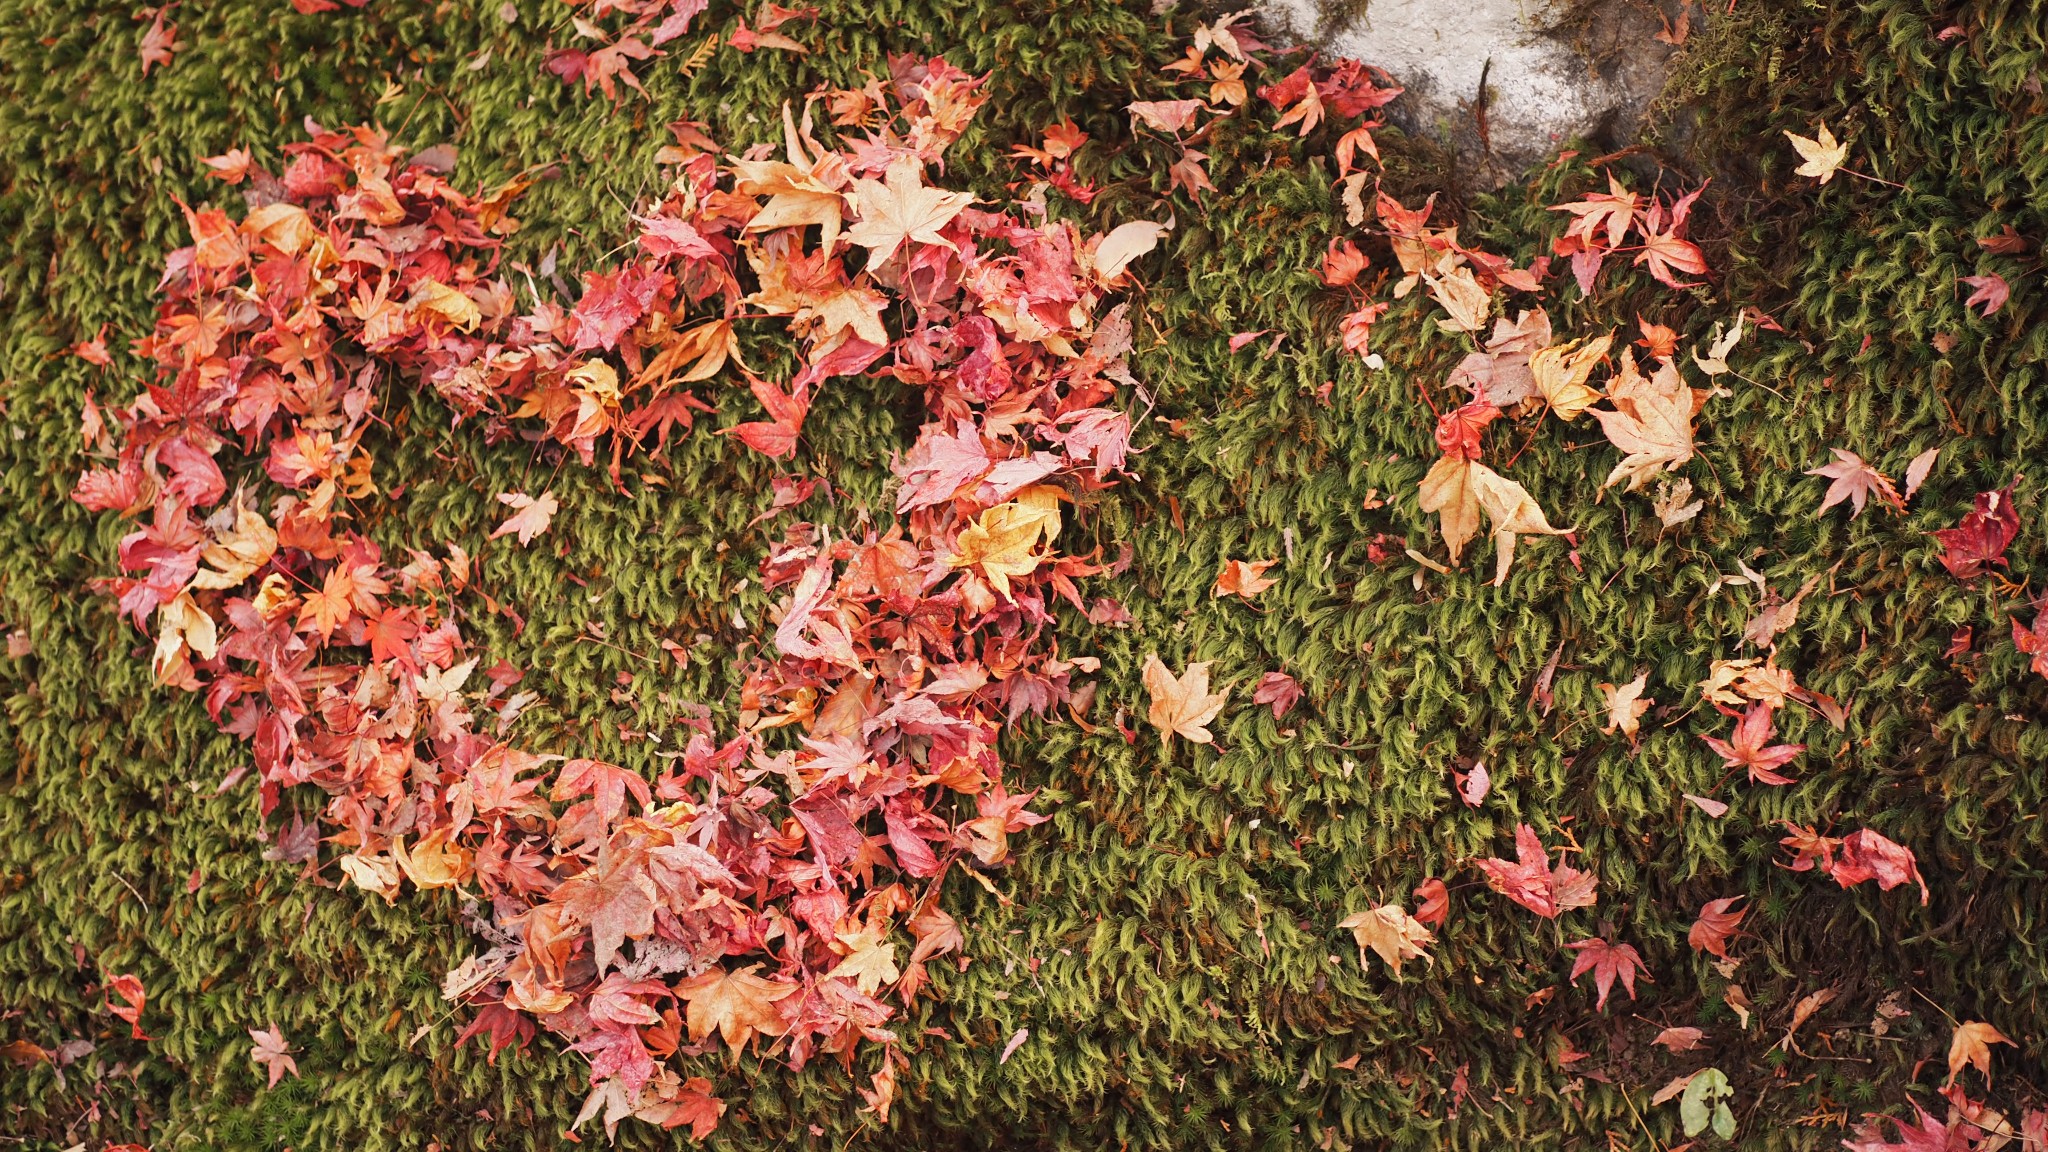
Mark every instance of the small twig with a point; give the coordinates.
(132, 891)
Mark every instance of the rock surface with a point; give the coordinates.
(1553, 71)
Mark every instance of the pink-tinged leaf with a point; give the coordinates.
(1531, 881)
(1927, 1134)
(1866, 855)
(1474, 785)
(1989, 291)
(1606, 961)
(1918, 468)
(1279, 690)
(2030, 641)
(677, 22)
(231, 166)
(1711, 807)
(1854, 481)
(1241, 339)
(1170, 116)
(612, 303)
(530, 517)
(270, 1050)
(1676, 1040)
(1017, 1040)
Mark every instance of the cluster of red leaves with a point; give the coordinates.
(759, 887)
(1601, 224)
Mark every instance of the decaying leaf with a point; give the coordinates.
(1392, 933)
(1181, 705)
(1625, 705)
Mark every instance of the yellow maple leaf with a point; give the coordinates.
(437, 299)
(1651, 421)
(1971, 1047)
(1390, 931)
(237, 552)
(1003, 541)
(1181, 705)
(1822, 156)
(870, 961)
(1625, 704)
(1561, 372)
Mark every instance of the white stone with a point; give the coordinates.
(1541, 90)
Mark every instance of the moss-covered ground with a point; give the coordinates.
(1172, 941)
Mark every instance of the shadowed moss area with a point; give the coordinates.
(1172, 942)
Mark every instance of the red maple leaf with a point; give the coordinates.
(1279, 690)
(1752, 748)
(1927, 1135)
(1531, 882)
(1457, 431)
(1606, 961)
(2033, 642)
(613, 302)
(1866, 855)
(1433, 905)
(1715, 926)
(776, 436)
(129, 988)
(1980, 541)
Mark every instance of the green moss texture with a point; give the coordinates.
(1171, 941)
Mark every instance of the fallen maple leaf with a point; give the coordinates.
(530, 517)
(160, 43)
(1246, 578)
(1125, 243)
(1181, 706)
(1342, 263)
(1989, 290)
(1821, 155)
(1606, 961)
(1751, 748)
(1003, 541)
(270, 1050)
(1434, 905)
(1531, 881)
(1973, 546)
(1279, 690)
(1854, 481)
(1716, 924)
(231, 166)
(1927, 1134)
(1561, 371)
(129, 988)
(1625, 706)
(1970, 1046)
(899, 209)
(737, 1005)
(1459, 490)
(1867, 855)
(1651, 422)
(1390, 931)
(1676, 1040)
(1170, 116)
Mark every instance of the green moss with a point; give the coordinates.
(1172, 941)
